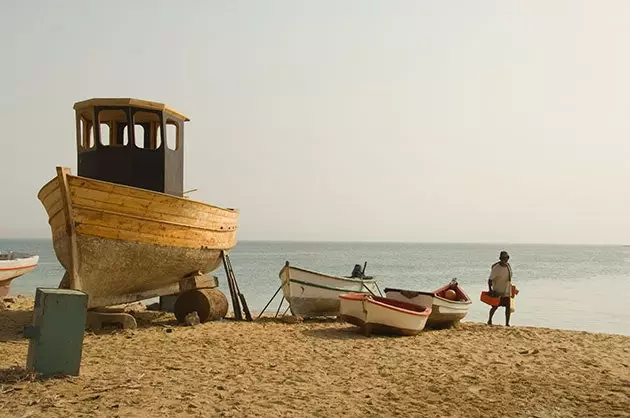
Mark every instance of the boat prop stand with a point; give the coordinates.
(235, 292)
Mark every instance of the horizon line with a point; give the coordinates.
(386, 242)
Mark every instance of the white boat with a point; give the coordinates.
(375, 314)
(445, 312)
(313, 294)
(12, 266)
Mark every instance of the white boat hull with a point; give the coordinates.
(11, 269)
(313, 294)
(381, 315)
(444, 312)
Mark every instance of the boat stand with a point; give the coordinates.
(279, 306)
(235, 292)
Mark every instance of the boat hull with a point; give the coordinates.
(314, 294)
(380, 315)
(11, 269)
(444, 312)
(120, 244)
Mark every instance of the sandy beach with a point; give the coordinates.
(319, 369)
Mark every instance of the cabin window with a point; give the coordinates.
(158, 135)
(105, 134)
(172, 134)
(138, 131)
(146, 130)
(79, 128)
(109, 123)
(87, 139)
(124, 136)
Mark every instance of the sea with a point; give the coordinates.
(573, 287)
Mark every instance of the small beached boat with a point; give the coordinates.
(313, 294)
(444, 312)
(375, 314)
(12, 266)
(122, 228)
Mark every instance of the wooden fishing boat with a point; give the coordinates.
(12, 266)
(375, 314)
(121, 227)
(312, 294)
(444, 312)
(121, 244)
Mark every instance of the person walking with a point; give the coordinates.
(500, 285)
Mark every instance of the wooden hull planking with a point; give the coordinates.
(312, 294)
(119, 243)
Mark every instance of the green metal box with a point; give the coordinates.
(56, 335)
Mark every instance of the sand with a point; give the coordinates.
(320, 369)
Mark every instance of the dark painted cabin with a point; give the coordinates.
(132, 142)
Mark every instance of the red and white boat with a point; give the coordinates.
(447, 308)
(12, 266)
(375, 314)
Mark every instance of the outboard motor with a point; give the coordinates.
(357, 272)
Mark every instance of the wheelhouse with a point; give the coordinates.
(132, 142)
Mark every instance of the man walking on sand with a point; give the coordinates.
(500, 284)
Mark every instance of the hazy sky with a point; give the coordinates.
(456, 121)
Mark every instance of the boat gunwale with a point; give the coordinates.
(434, 294)
(229, 210)
(18, 268)
(348, 279)
(468, 301)
(457, 302)
(426, 312)
(321, 286)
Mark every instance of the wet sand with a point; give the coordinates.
(319, 369)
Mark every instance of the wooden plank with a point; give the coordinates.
(125, 205)
(199, 281)
(53, 204)
(132, 297)
(248, 314)
(144, 214)
(212, 241)
(73, 269)
(48, 188)
(58, 219)
(236, 307)
(121, 102)
(85, 218)
(178, 202)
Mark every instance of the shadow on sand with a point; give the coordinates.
(12, 324)
(354, 332)
(15, 375)
(345, 333)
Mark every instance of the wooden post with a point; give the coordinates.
(74, 280)
(235, 304)
(248, 315)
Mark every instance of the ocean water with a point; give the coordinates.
(568, 287)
